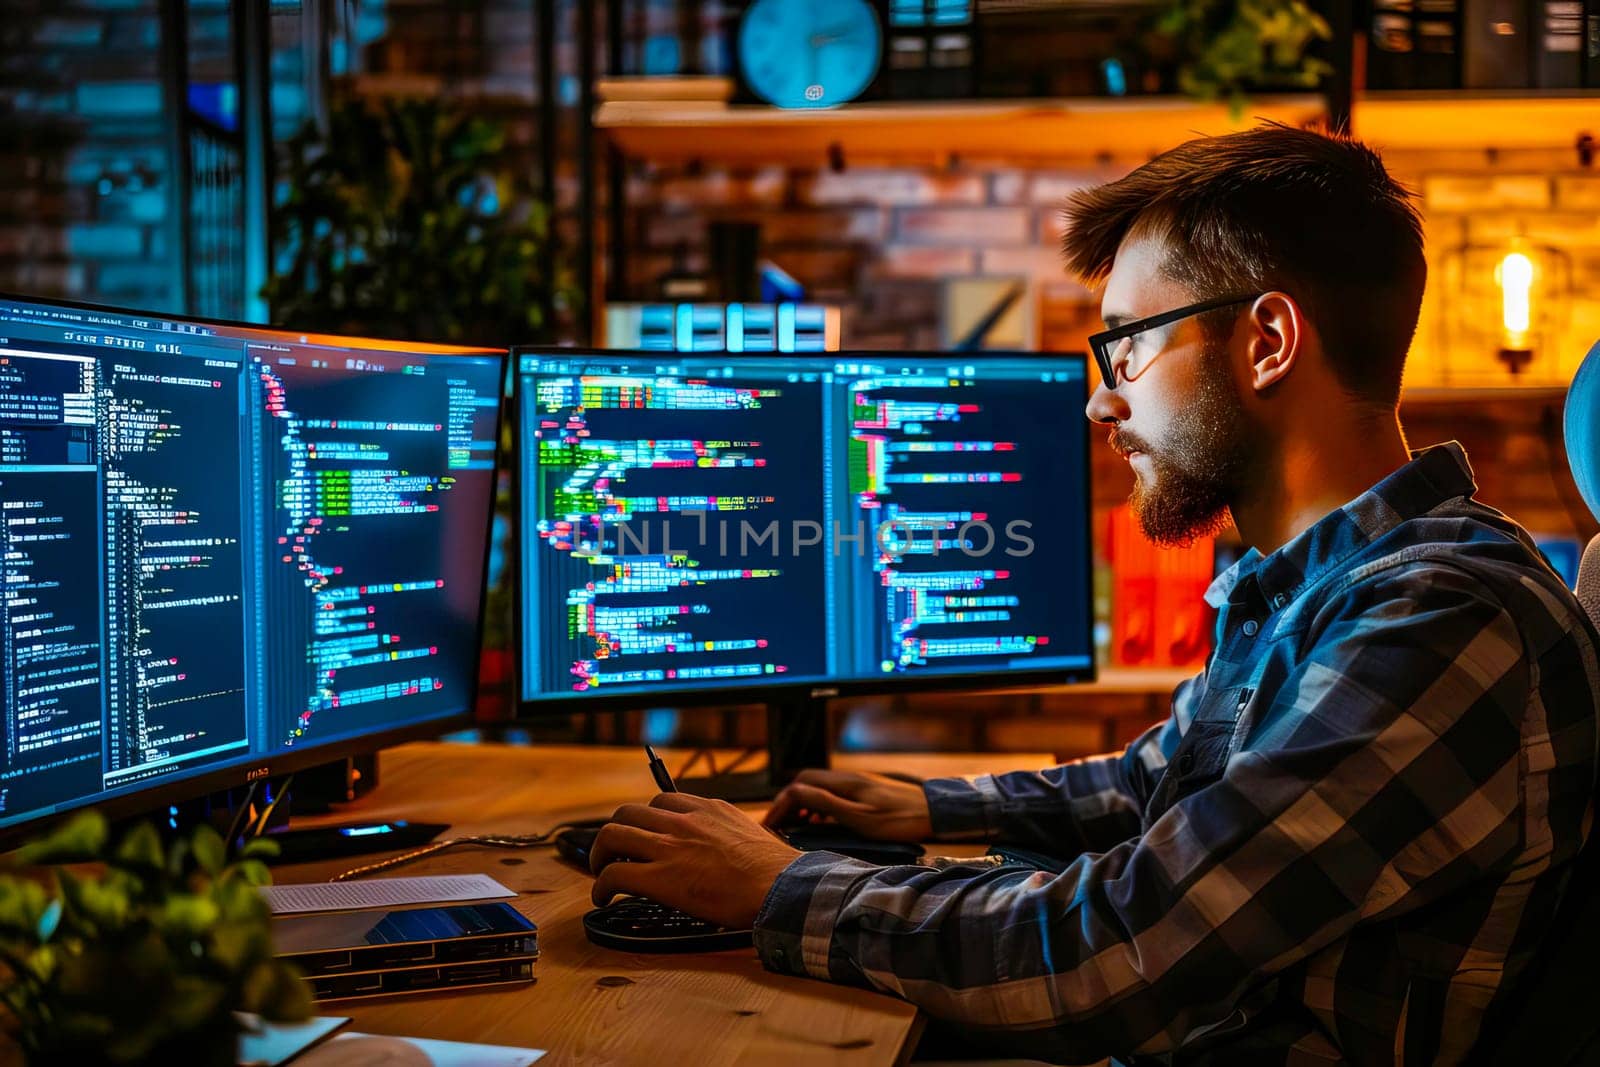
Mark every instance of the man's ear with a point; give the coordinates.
(1276, 338)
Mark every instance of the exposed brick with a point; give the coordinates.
(828, 226)
(119, 99)
(1052, 189)
(721, 189)
(92, 241)
(1049, 188)
(670, 230)
(1050, 225)
(1495, 192)
(817, 268)
(133, 32)
(45, 279)
(31, 242)
(68, 33)
(1491, 229)
(147, 205)
(913, 261)
(779, 230)
(986, 226)
(1008, 186)
(146, 284)
(1033, 261)
(1565, 229)
(1578, 193)
(644, 270)
(900, 301)
(867, 185)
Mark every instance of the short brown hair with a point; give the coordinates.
(1312, 214)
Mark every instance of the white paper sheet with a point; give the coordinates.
(273, 1044)
(369, 1050)
(382, 893)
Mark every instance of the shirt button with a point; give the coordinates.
(1186, 763)
(1250, 627)
(1280, 600)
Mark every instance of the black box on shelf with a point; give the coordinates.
(1497, 44)
(1558, 42)
(1591, 44)
(1414, 44)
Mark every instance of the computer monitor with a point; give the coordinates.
(711, 527)
(229, 552)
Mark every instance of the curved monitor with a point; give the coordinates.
(702, 527)
(229, 551)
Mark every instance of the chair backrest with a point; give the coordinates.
(1550, 1018)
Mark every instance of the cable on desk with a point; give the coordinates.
(485, 840)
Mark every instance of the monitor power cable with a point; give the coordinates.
(509, 841)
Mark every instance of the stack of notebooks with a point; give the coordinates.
(345, 955)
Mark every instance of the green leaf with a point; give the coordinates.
(81, 1030)
(259, 848)
(250, 871)
(22, 903)
(187, 915)
(209, 850)
(80, 839)
(140, 848)
(98, 903)
(276, 992)
(196, 1001)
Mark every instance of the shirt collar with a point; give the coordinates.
(1433, 476)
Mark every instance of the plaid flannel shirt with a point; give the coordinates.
(1344, 843)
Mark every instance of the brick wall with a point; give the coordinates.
(880, 239)
(82, 168)
(1545, 199)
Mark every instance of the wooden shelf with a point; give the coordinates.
(675, 119)
(1476, 394)
(1012, 129)
(1450, 118)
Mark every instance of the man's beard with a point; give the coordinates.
(1200, 465)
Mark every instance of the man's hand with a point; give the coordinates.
(870, 804)
(705, 857)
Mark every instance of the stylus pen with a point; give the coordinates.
(658, 770)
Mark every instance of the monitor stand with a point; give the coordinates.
(235, 809)
(797, 738)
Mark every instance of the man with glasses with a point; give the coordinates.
(1347, 840)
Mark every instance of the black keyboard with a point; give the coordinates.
(638, 924)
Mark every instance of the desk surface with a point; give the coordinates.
(591, 1005)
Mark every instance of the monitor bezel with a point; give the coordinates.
(143, 801)
(744, 693)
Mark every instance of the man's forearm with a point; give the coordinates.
(1090, 805)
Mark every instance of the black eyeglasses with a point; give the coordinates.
(1118, 352)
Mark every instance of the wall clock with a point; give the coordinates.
(809, 53)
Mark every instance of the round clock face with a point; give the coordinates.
(809, 53)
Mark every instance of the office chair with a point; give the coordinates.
(1552, 1018)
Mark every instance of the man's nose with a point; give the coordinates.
(1106, 406)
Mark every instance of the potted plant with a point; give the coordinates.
(120, 951)
(410, 218)
(413, 219)
(1230, 48)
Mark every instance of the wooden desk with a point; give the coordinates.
(591, 1005)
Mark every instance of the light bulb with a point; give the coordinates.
(1515, 275)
